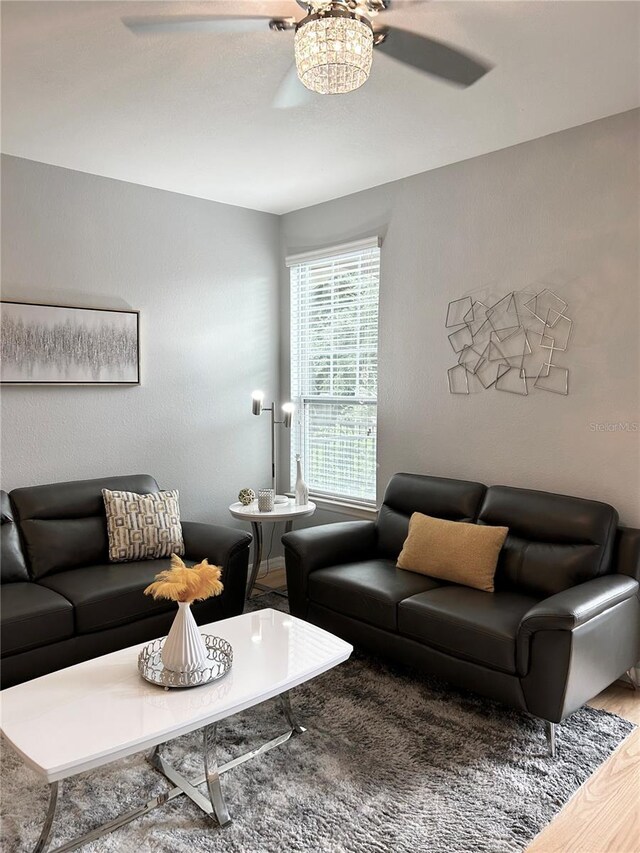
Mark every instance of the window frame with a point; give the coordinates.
(297, 364)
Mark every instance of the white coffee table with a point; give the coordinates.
(281, 512)
(96, 712)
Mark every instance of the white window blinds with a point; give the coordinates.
(334, 369)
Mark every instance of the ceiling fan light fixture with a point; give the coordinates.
(333, 51)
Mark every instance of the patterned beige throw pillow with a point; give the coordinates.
(143, 527)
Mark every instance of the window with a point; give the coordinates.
(334, 369)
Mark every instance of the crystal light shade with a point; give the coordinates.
(333, 53)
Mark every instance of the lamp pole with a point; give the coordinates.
(273, 447)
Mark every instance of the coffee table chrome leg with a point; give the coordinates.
(212, 775)
(117, 822)
(285, 704)
(256, 529)
(48, 823)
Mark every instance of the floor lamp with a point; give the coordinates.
(257, 408)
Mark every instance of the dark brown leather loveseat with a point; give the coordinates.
(563, 623)
(62, 602)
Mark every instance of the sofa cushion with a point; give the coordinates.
(32, 616)
(12, 564)
(64, 524)
(554, 542)
(477, 626)
(454, 551)
(369, 590)
(106, 596)
(455, 500)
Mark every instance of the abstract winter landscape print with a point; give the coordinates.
(54, 345)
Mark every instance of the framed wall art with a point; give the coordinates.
(59, 345)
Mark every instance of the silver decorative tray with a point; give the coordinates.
(219, 660)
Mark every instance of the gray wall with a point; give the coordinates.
(205, 278)
(559, 211)
(562, 210)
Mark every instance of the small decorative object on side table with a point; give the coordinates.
(281, 512)
(245, 496)
(301, 490)
(266, 500)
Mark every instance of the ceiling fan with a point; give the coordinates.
(333, 45)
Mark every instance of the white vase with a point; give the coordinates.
(301, 490)
(184, 649)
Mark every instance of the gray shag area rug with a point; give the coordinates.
(391, 763)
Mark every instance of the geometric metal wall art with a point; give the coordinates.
(511, 345)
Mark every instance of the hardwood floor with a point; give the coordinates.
(604, 814)
(274, 578)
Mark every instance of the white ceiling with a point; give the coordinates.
(192, 112)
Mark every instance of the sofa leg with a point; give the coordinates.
(551, 737)
(631, 675)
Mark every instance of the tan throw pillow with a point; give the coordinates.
(143, 527)
(452, 550)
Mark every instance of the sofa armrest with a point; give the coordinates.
(626, 555)
(573, 607)
(225, 547)
(327, 544)
(573, 644)
(318, 547)
(214, 541)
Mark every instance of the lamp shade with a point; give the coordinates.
(287, 410)
(257, 399)
(333, 51)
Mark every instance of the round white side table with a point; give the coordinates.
(281, 512)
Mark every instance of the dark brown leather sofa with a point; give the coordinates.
(62, 602)
(563, 623)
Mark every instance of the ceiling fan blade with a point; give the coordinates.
(431, 56)
(291, 93)
(204, 24)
